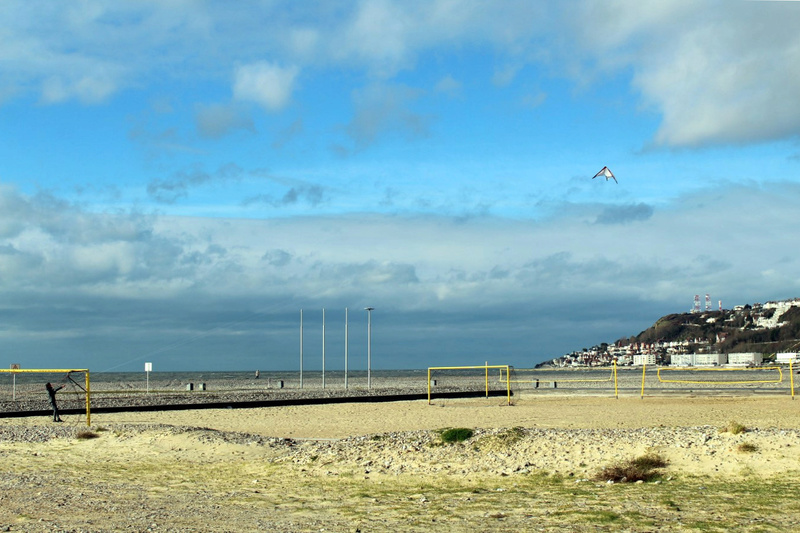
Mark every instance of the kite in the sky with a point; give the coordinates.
(607, 173)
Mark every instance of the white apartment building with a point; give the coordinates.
(745, 358)
(682, 359)
(710, 359)
(640, 359)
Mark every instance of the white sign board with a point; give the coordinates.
(148, 367)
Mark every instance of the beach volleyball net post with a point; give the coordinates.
(75, 395)
(467, 378)
(535, 378)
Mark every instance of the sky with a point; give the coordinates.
(179, 180)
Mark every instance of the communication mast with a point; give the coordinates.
(708, 302)
(696, 308)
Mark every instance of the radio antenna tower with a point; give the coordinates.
(696, 308)
(708, 302)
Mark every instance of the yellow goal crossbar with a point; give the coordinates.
(537, 370)
(612, 376)
(85, 371)
(485, 367)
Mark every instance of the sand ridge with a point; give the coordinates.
(307, 468)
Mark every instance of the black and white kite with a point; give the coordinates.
(607, 173)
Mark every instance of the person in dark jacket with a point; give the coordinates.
(52, 393)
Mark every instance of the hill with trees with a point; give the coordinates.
(767, 329)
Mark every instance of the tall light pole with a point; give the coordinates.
(369, 346)
(346, 343)
(323, 348)
(301, 348)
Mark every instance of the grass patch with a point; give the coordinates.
(512, 435)
(453, 435)
(642, 468)
(747, 447)
(86, 434)
(734, 428)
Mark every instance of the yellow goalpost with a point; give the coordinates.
(85, 371)
(485, 369)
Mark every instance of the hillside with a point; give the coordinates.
(767, 329)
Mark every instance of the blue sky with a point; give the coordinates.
(179, 179)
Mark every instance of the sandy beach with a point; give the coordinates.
(382, 466)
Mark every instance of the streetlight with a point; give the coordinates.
(301, 348)
(369, 345)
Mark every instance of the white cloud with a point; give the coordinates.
(265, 83)
(91, 88)
(717, 76)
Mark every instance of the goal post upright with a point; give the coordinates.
(59, 371)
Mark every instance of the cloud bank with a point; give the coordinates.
(204, 284)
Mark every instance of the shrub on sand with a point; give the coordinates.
(643, 468)
(455, 435)
(86, 434)
(734, 428)
(747, 447)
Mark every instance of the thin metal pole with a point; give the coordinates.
(346, 341)
(301, 348)
(323, 348)
(369, 346)
(88, 400)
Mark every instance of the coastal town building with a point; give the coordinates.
(644, 359)
(683, 359)
(745, 359)
(710, 359)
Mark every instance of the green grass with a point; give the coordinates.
(453, 435)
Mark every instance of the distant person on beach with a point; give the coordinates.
(52, 393)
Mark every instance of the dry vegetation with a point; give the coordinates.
(176, 480)
(530, 467)
(642, 468)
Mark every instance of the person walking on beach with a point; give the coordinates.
(52, 393)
